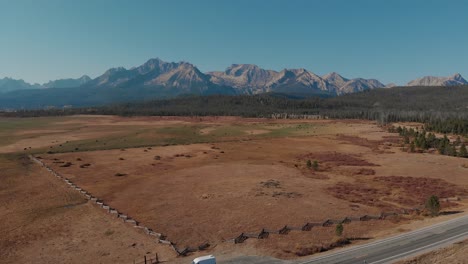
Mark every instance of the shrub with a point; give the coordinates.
(433, 205)
(339, 229)
(462, 152)
(315, 165)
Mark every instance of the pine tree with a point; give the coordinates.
(442, 147)
(431, 140)
(399, 130)
(433, 205)
(446, 139)
(423, 142)
(450, 150)
(462, 152)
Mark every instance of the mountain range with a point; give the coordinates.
(9, 84)
(160, 79)
(453, 80)
(185, 78)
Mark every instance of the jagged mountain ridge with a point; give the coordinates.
(252, 79)
(455, 79)
(156, 79)
(170, 78)
(184, 77)
(238, 78)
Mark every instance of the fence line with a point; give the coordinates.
(148, 260)
(160, 238)
(265, 233)
(262, 234)
(296, 116)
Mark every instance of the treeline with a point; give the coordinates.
(416, 140)
(455, 126)
(441, 109)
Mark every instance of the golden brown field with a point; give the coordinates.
(209, 179)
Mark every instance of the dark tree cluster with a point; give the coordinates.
(423, 140)
(441, 109)
(454, 126)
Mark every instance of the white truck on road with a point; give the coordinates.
(210, 259)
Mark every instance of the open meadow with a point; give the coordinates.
(203, 180)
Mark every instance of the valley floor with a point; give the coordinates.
(208, 179)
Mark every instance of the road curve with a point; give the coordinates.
(398, 247)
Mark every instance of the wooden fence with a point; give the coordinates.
(148, 260)
(262, 234)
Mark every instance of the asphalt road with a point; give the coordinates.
(386, 250)
(398, 247)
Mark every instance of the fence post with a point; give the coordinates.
(157, 258)
(145, 259)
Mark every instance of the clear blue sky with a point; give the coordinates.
(391, 40)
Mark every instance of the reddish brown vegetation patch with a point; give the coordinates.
(390, 191)
(417, 190)
(360, 193)
(337, 159)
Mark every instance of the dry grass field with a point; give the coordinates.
(208, 179)
(43, 221)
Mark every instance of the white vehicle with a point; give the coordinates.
(210, 259)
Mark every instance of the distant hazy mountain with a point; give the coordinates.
(455, 79)
(9, 84)
(66, 83)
